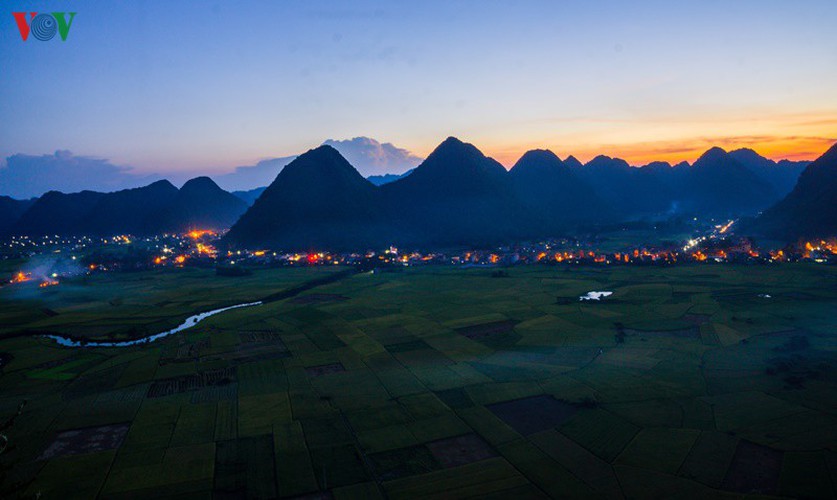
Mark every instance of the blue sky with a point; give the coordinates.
(168, 86)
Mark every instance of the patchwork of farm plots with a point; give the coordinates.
(430, 381)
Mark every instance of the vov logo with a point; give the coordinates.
(44, 26)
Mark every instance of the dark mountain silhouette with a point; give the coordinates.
(572, 162)
(810, 210)
(719, 185)
(553, 197)
(460, 196)
(250, 197)
(57, 213)
(153, 209)
(630, 192)
(201, 204)
(610, 177)
(318, 201)
(782, 176)
(130, 211)
(380, 180)
(11, 210)
(457, 195)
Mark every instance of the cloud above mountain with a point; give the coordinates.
(253, 176)
(371, 157)
(367, 155)
(24, 176)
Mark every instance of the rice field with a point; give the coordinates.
(427, 382)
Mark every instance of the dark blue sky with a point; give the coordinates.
(204, 86)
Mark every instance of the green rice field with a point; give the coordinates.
(430, 382)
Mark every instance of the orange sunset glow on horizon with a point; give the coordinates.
(642, 141)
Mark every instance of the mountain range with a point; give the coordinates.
(156, 208)
(460, 196)
(457, 195)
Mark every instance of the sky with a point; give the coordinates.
(176, 87)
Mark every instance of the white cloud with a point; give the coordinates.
(25, 176)
(253, 176)
(371, 157)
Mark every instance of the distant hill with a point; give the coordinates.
(572, 162)
(318, 201)
(249, 197)
(552, 195)
(629, 191)
(201, 204)
(57, 213)
(380, 180)
(130, 211)
(11, 210)
(720, 185)
(810, 210)
(153, 209)
(782, 175)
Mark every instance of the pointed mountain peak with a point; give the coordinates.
(201, 183)
(658, 165)
(53, 193)
(451, 141)
(322, 162)
(537, 159)
(318, 174)
(749, 155)
(162, 184)
(454, 147)
(324, 154)
(606, 161)
(572, 162)
(455, 155)
(539, 155)
(157, 188)
(745, 151)
(453, 168)
(323, 151)
(712, 154)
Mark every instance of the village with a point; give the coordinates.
(73, 256)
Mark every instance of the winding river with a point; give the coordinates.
(189, 323)
(194, 320)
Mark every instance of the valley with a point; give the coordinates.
(420, 381)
